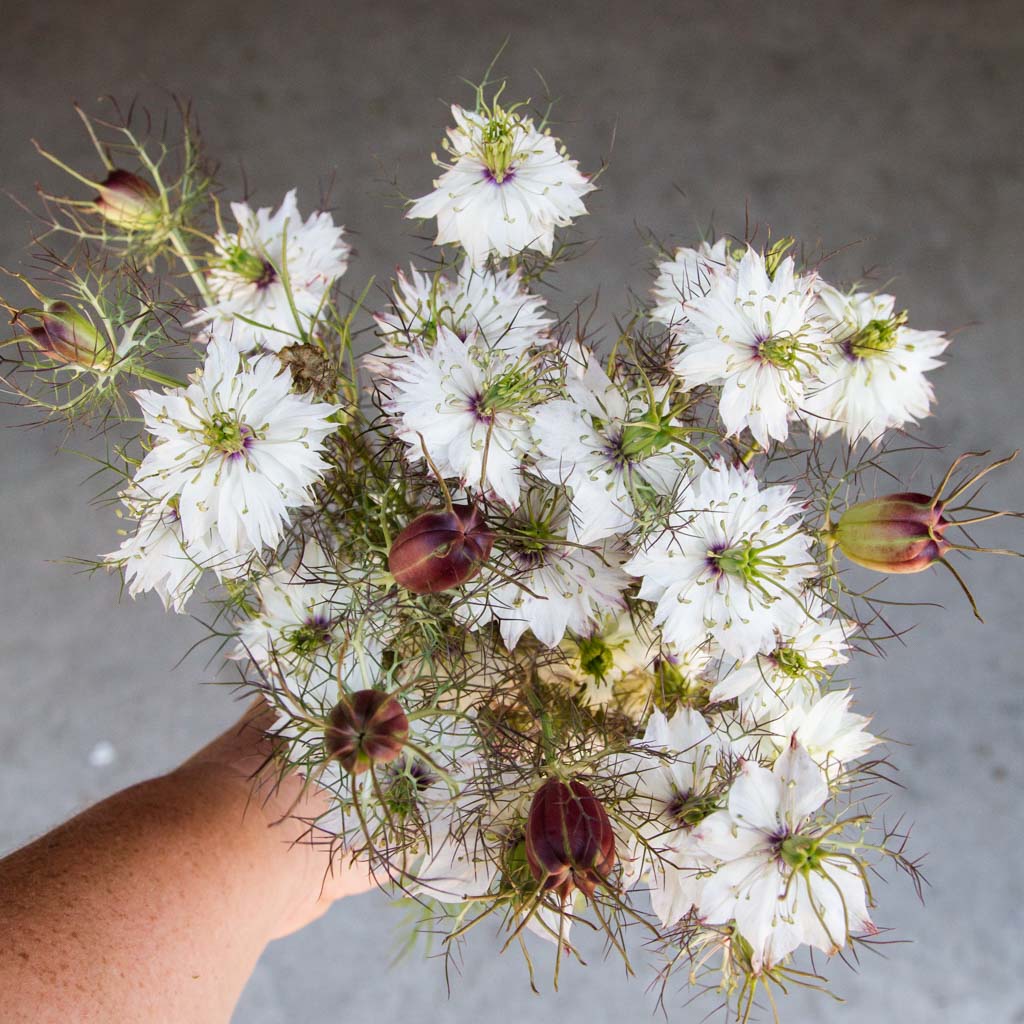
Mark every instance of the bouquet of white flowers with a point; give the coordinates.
(558, 630)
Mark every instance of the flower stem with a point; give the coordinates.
(182, 252)
(156, 377)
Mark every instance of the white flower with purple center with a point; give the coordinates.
(270, 278)
(469, 404)
(754, 335)
(308, 627)
(236, 450)
(784, 875)
(804, 656)
(874, 377)
(729, 564)
(671, 783)
(491, 303)
(506, 189)
(609, 445)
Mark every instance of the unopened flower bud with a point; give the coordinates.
(66, 336)
(570, 843)
(898, 533)
(440, 550)
(366, 728)
(128, 202)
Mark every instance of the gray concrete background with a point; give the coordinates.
(895, 125)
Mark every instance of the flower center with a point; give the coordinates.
(791, 663)
(691, 808)
(596, 657)
(224, 433)
(307, 639)
(802, 853)
(782, 350)
(511, 390)
(497, 147)
(251, 267)
(742, 559)
(876, 337)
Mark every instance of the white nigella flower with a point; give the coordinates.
(729, 564)
(606, 443)
(493, 304)
(672, 777)
(236, 450)
(308, 628)
(791, 674)
(685, 277)
(269, 279)
(543, 583)
(754, 334)
(469, 404)
(156, 557)
(507, 188)
(780, 877)
(874, 376)
(827, 729)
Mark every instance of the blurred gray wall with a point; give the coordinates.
(893, 125)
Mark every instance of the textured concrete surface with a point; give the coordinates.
(894, 125)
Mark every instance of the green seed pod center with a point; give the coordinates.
(802, 853)
(224, 433)
(596, 657)
(250, 266)
(498, 146)
(877, 337)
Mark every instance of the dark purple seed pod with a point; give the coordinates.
(897, 533)
(366, 728)
(570, 843)
(440, 550)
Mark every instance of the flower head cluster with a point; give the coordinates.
(558, 627)
(782, 346)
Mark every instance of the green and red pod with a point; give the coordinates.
(128, 202)
(897, 533)
(570, 843)
(440, 550)
(366, 728)
(66, 336)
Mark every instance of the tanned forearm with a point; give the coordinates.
(155, 904)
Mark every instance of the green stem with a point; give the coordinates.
(156, 377)
(183, 253)
(748, 456)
